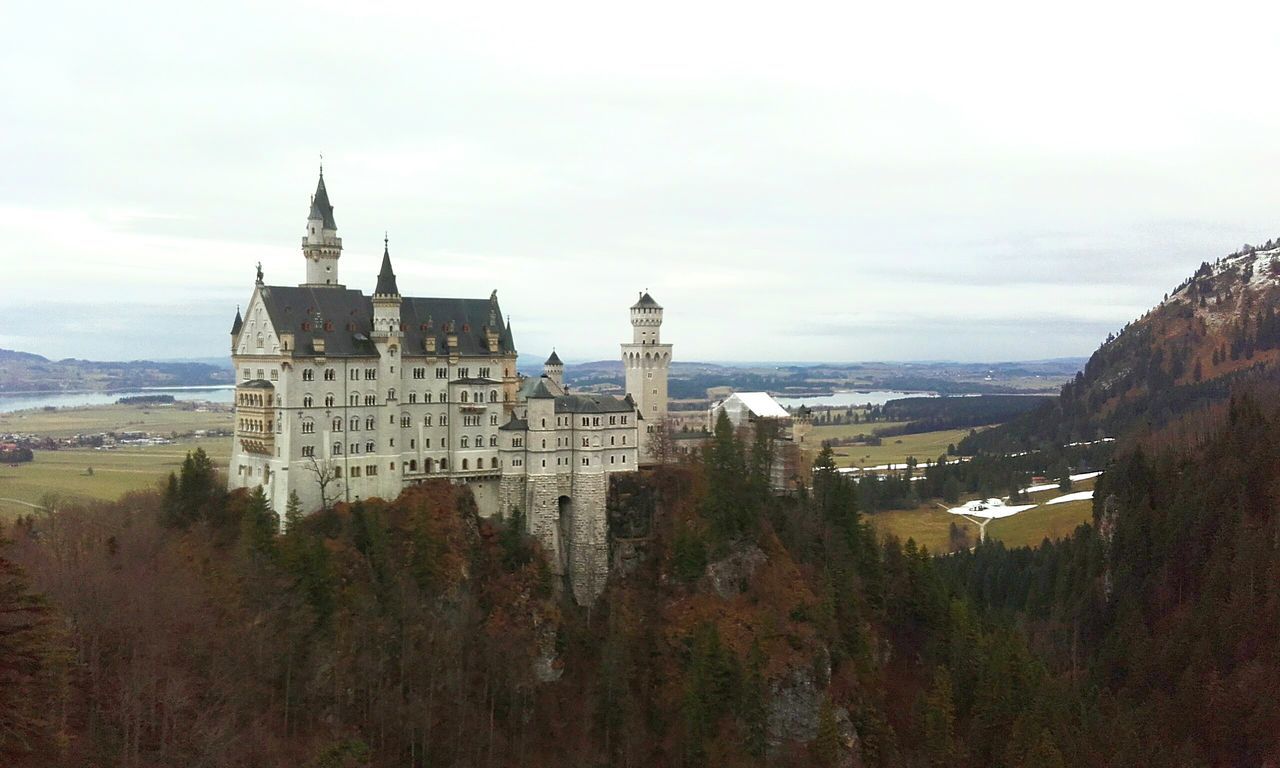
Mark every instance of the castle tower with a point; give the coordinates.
(554, 369)
(321, 245)
(646, 360)
(386, 300)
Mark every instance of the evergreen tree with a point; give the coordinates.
(939, 721)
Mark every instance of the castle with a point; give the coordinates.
(342, 396)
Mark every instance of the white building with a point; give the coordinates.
(343, 396)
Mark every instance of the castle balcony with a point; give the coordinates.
(256, 416)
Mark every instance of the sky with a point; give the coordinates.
(791, 181)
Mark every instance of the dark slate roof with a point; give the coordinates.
(386, 278)
(349, 314)
(256, 384)
(554, 359)
(474, 380)
(592, 404)
(520, 425)
(320, 208)
(540, 390)
(646, 301)
(237, 323)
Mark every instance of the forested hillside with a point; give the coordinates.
(1219, 327)
(177, 628)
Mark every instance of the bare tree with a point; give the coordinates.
(662, 443)
(328, 478)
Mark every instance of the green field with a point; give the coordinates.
(833, 431)
(64, 473)
(925, 446)
(930, 524)
(155, 419)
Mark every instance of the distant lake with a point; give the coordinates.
(10, 403)
(845, 399)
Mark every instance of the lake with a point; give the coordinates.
(845, 399)
(10, 403)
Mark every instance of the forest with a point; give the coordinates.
(179, 627)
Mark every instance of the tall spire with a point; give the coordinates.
(386, 277)
(320, 207)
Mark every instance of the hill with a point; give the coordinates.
(1215, 330)
(25, 372)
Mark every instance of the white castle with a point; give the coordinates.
(342, 396)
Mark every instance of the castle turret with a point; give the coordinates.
(646, 361)
(321, 245)
(236, 325)
(386, 299)
(554, 369)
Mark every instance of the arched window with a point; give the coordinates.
(464, 463)
(308, 374)
(426, 420)
(493, 441)
(337, 424)
(426, 397)
(368, 422)
(493, 395)
(444, 419)
(444, 465)
(329, 374)
(355, 423)
(355, 399)
(413, 465)
(368, 447)
(463, 396)
(466, 442)
(391, 394)
(479, 441)
(493, 463)
(306, 401)
(370, 399)
(328, 401)
(426, 466)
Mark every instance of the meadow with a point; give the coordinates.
(930, 523)
(925, 446)
(65, 473)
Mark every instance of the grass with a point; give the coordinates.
(925, 446)
(930, 524)
(115, 472)
(156, 419)
(834, 431)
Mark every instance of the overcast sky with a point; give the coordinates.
(901, 181)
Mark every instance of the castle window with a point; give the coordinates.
(355, 448)
(442, 373)
(586, 422)
(624, 439)
(611, 459)
(405, 421)
(413, 397)
(624, 458)
(413, 465)
(355, 471)
(624, 419)
(355, 374)
(368, 447)
(308, 427)
(426, 420)
(466, 442)
(464, 373)
(246, 374)
(355, 399)
(444, 420)
(308, 450)
(493, 419)
(337, 449)
(493, 463)
(419, 373)
(463, 396)
(337, 424)
(493, 441)
(328, 401)
(337, 471)
(426, 442)
(371, 469)
(260, 373)
(444, 396)
(586, 462)
(412, 443)
(370, 399)
(544, 443)
(308, 374)
(391, 394)
(493, 395)
(426, 466)
(426, 397)
(370, 374)
(612, 440)
(479, 441)
(355, 423)
(484, 373)
(444, 465)
(517, 442)
(464, 463)
(329, 374)
(306, 401)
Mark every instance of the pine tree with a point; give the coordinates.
(826, 745)
(939, 721)
(755, 713)
(292, 512)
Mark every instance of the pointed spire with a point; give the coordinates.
(320, 207)
(238, 323)
(386, 277)
(554, 359)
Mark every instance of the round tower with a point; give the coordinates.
(646, 361)
(321, 245)
(554, 369)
